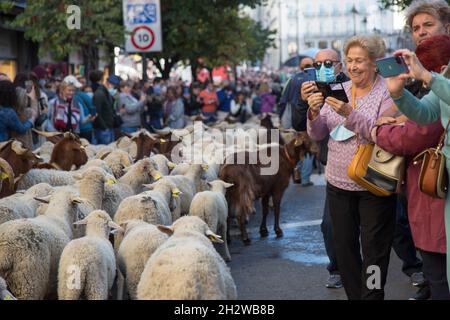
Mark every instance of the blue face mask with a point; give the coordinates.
(341, 133)
(112, 91)
(325, 74)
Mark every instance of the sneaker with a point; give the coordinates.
(423, 293)
(334, 282)
(418, 279)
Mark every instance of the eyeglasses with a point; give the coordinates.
(327, 63)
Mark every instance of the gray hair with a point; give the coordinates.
(373, 44)
(436, 8)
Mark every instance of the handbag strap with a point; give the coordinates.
(441, 140)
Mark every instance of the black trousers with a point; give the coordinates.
(327, 230)
(403, 244)
(361, 215)
(434, 269)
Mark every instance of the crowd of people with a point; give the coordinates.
(403, 115)
(100, 110)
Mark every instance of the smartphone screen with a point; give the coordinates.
(391, 66)
(332, 89)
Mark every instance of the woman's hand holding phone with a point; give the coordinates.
(340, 107)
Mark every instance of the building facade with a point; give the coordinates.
(303, 24)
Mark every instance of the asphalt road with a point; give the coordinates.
(294, 267)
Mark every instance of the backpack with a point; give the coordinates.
(61, 119)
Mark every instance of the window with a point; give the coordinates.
(323, 44)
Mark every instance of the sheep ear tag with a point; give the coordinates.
(176, 192)
(171, 165)
(110, 182)
(3, 176)
(157, 176)
(214, 237)
(162, 141)
(8, 297)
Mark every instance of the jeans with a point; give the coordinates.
(104, 136)
(129, 129)
(327, 230)
(305, 167)
(210, 117)
(403, 244)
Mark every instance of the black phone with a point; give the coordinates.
(332, 89)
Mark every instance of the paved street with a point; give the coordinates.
(294, 267)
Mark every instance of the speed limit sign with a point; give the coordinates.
(142, 20)
(143, 38)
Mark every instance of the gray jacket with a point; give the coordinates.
(175, 119)
(133, 108)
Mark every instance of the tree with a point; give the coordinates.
(211, 30)
(402, 4)
(44, 22)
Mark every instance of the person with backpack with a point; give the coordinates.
(64, 113)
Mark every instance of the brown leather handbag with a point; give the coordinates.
(433, 178)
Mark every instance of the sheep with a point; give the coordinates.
(157, 206)
(140, 173)
(140, 240)
(186, 266)
(4, 293)
(163, 165)
(103, 151)
(211, 206)
(56, 178)
(30, 248)
(91, 259)
(189, 184)
(118, 160)
(23, 205)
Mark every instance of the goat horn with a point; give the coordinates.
(18, 148)
(47, 134)
(9, 172)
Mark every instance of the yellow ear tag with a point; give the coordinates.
(8, 297)
(162, 141)
(4, 176)
(176, 192)
(157, 176)
(110, 182)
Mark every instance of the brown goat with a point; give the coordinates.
(250, 184)
(68, 152)
(145, 142)
(20, 159)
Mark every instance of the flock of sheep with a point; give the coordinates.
(117, 228)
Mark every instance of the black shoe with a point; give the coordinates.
(418, 279)
(423, 293)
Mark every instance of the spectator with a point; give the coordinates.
(267, 99)
(130, 108)
(239, 107)
(87, 109)
(9, 119)
(225, 96)
(208, 99)
(174, 110)
(192, 106)
(104, 103)
(360, 219)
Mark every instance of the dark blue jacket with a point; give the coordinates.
(9, 121)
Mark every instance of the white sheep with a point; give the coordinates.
(118, 160)
(157, 206)
(163, 165)
(136, 176)
(23, 205)
(30, 248)
(56, 178)
(140, 240)
(211, 206)
(189, 184)
(186, 266)
(87, 267)
(4, 293)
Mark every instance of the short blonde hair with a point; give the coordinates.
(436, 8)
(64, 85)
(373, 44)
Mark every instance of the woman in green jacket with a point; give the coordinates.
(432, 107)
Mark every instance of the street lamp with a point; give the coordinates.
(354, 12)
(364, 21)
